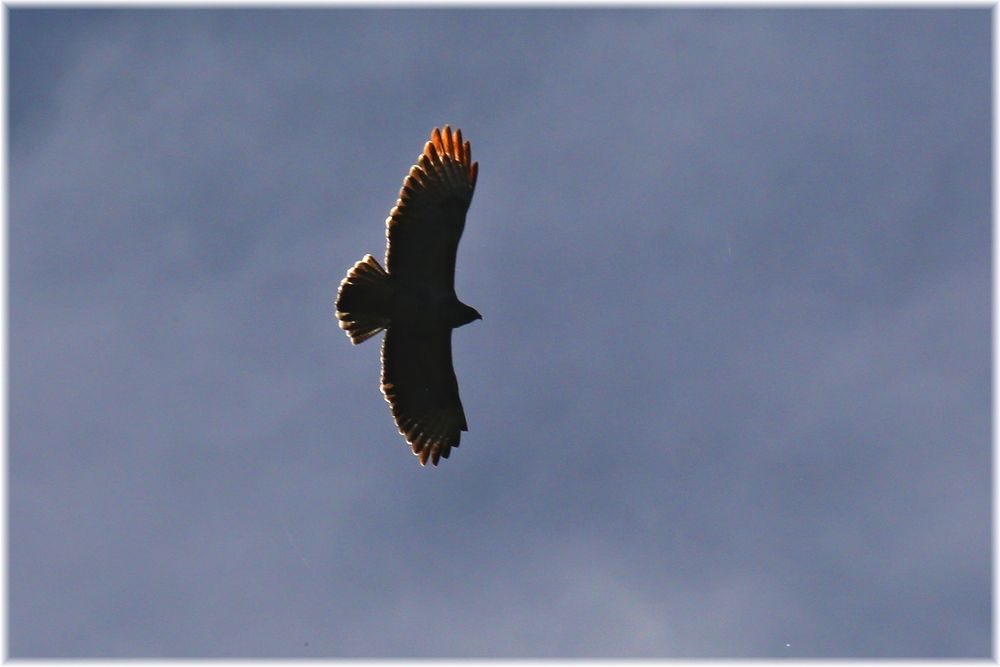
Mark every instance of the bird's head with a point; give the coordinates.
(466, 314)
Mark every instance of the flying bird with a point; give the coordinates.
(413, 298)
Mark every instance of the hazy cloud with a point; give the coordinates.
(730, 397)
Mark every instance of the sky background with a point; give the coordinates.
(730, 396)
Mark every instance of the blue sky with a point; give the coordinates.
(730, 396)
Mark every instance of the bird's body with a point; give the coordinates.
(424, 309)
(413, 299)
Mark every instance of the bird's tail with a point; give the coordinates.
(363, 300)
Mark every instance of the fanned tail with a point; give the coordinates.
(363, 300)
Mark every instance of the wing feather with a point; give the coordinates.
(419, 383)
(424, 227)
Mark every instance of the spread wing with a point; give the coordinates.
(418, 381)
(425, 225)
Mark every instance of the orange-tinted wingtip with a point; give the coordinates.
(431, 151)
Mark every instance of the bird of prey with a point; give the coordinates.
(413, 297)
